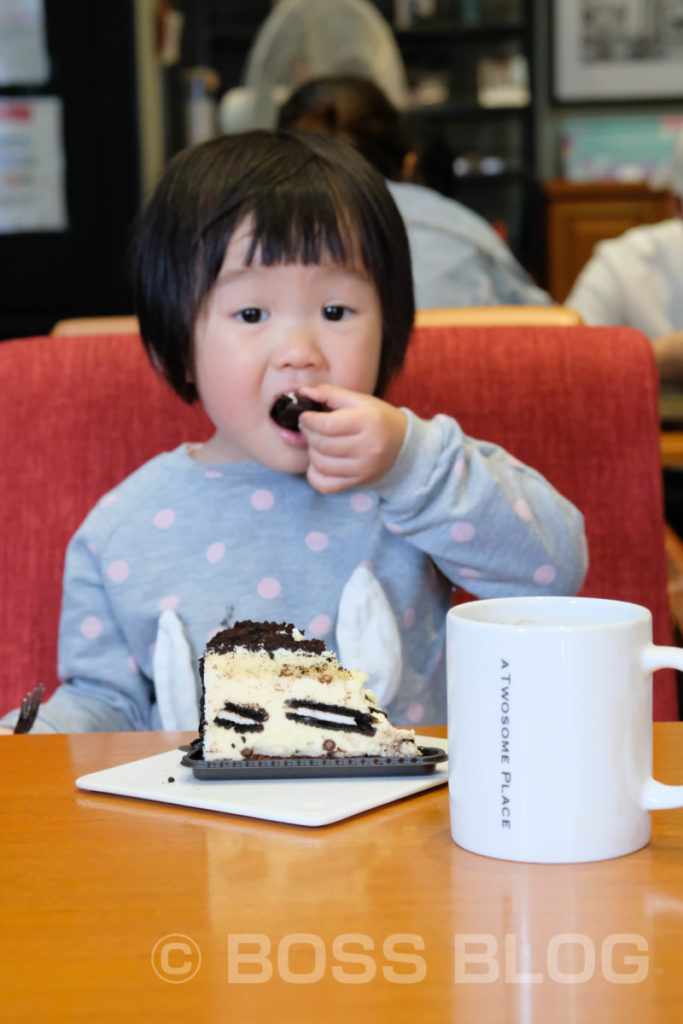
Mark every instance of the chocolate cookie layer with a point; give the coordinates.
(289, 407)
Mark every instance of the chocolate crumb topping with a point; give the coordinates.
(262, 636)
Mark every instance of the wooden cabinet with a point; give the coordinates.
(579, 215)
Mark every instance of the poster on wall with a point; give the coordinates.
(605, 51)
(32, 164)
(23, 49)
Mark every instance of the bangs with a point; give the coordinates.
(305, 216)
(301, 236)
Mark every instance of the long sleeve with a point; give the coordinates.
(491, 524)
(103, 689)
(634, 280)
(215, 544)
(457, 257)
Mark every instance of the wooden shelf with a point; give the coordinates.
(469, 110)
(578, 215)
(454, 34)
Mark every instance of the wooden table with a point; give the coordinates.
(93, 884)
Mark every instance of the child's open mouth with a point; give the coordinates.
(288, 408)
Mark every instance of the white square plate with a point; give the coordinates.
(294, 801)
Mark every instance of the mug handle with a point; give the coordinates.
(656, 795)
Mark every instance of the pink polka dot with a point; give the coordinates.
(523, 510)
(91, 627)
(459, 466)
(545, 574)
(262, 500)
(268, 587)
(361, 502)
(164, 518)
(213, 474)
(415, 712)
(317, 541)
(320, 625)
(210, 635)
(168, 603)
(469, 573)
(91, 548)
(462, 532)
(118, 571)
(215, 552)
(132, 663)
(108, 499)
(368, 565)
(409, 618)
(394, 528)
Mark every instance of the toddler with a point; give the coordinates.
(269, 264)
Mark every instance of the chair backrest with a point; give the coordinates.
(75, 326)
(578, 403)
(491, 316)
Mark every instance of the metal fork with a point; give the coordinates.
(29, 709)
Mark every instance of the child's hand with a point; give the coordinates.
(356, 443)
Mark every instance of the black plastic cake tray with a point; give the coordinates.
(311, 767)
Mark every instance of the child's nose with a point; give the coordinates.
(298, 348)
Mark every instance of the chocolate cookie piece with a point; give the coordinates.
(289, 407)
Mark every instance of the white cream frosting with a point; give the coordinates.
(258, 682)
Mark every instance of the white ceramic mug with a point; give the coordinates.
(550, 727)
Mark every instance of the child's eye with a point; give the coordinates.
(251, 315)
(335, 312)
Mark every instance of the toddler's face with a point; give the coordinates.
(265, 331)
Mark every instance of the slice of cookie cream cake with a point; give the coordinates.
(267, 691)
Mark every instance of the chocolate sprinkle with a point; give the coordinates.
(262, 636)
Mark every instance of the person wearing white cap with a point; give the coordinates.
(636, 280)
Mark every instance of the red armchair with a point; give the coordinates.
(80, 413)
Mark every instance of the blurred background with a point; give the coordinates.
(553, 120)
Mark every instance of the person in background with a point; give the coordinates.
(636, 280)
(457, 257)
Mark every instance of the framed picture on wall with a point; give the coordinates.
(617, 50)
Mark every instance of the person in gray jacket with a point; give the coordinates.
(458, 259)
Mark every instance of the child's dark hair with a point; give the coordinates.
(306, 195)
